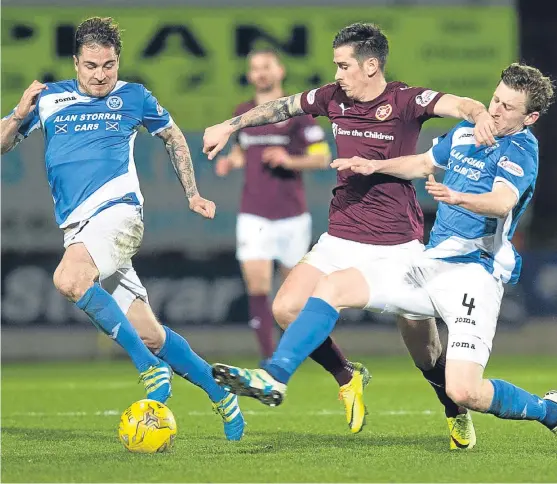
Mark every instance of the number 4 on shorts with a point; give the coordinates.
(469, 305)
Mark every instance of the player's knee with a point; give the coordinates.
(427, 357)
(463, 393)
(153, 337)
(285, 310)
(71, 284)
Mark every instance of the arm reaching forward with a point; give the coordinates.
(216, 137)
(177, 149)
(405, 167)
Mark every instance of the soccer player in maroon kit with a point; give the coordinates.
(373, 217)
(273, 223)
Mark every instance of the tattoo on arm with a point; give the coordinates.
(177, 149)
(271, 112)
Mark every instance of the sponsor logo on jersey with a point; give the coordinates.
(425, 97)
(510, 166)
(114, 102)
(65, 99)
(383, 112)
(362, 134)
(311, 96)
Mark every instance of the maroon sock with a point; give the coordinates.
(262, 321)
(330, 357)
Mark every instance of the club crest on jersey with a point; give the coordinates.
(510, 166)
(383, 112)
(114, 102)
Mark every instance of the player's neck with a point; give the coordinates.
(374, 90)
(265, 97)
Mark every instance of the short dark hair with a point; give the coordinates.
(528, 79)
(97, 30)
(368, 41)
(264, 50)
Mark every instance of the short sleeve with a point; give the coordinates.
(316, 101)
(440, 152)
(517, 169)
(418, 101)
(309, 131)
(31, 122)
(155, 117)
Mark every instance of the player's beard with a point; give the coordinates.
(93, 90)
(265, 88)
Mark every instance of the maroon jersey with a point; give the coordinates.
(275, 193)
(377, 209)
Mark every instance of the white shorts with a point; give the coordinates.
(285, 240)
(465, 296)
(112, 238)
(332, 254)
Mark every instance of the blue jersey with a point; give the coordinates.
(459, 235)
(89, 145)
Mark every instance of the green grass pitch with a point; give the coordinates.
(59, 424)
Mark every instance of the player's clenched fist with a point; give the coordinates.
(485, 130)
(29, 100)
(202, 206)
(215, 138)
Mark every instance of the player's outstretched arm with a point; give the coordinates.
(9, 126)
(216, 137)
(177, 149)
(472, 111)
(405, 167)
(497, 203)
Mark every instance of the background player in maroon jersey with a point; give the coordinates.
(273, 223)
(369, 218)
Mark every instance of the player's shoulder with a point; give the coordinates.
(244, 107)
(521, 147)
(129, 88)
(66, 85)
(58, 91)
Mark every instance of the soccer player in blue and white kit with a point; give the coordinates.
(460, 275)
(89, 125)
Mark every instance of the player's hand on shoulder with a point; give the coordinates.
(28, 100)
(202, 206)
(215, 138)
(441, 193)
(356, 164)
(275, 156)
(485, 130)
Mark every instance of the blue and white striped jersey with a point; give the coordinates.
(459, 235)
(89, 145)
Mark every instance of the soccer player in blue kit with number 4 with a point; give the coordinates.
(459, 276)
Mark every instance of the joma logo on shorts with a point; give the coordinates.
(465, 320)
(458, 344)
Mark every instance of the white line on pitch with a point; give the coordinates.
(318, 413)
